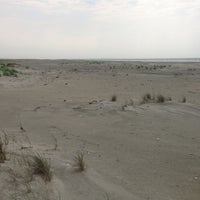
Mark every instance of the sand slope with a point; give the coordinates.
(136, 152)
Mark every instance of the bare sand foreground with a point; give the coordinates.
(132, 151)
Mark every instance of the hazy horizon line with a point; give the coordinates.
(108, 59)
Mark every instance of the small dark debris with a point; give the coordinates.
(93, 101)
(22, 129)
(37, 108)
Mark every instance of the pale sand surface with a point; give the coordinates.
(142, 152)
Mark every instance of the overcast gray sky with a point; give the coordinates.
(99, 28)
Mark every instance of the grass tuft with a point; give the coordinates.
(42, 167)
(114, 98)
(168, 98)
(183, 100)
(148, 98)
(160, 99)
(2, 151)
(79, 162)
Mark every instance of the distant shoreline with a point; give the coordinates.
(153, 59)
(116, 59)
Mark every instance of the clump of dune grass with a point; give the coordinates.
(148, 98)
(42, 167)
(114, 98)
(168, 98)
(2, 151)
(160, 98)
(183, 100)
(5, 138)
(79, 162)
(3, 143)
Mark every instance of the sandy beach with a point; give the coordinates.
(133, 150)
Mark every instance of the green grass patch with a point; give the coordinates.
(7, 71)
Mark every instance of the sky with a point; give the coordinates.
(83, 29)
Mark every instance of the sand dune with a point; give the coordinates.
(132, 151)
